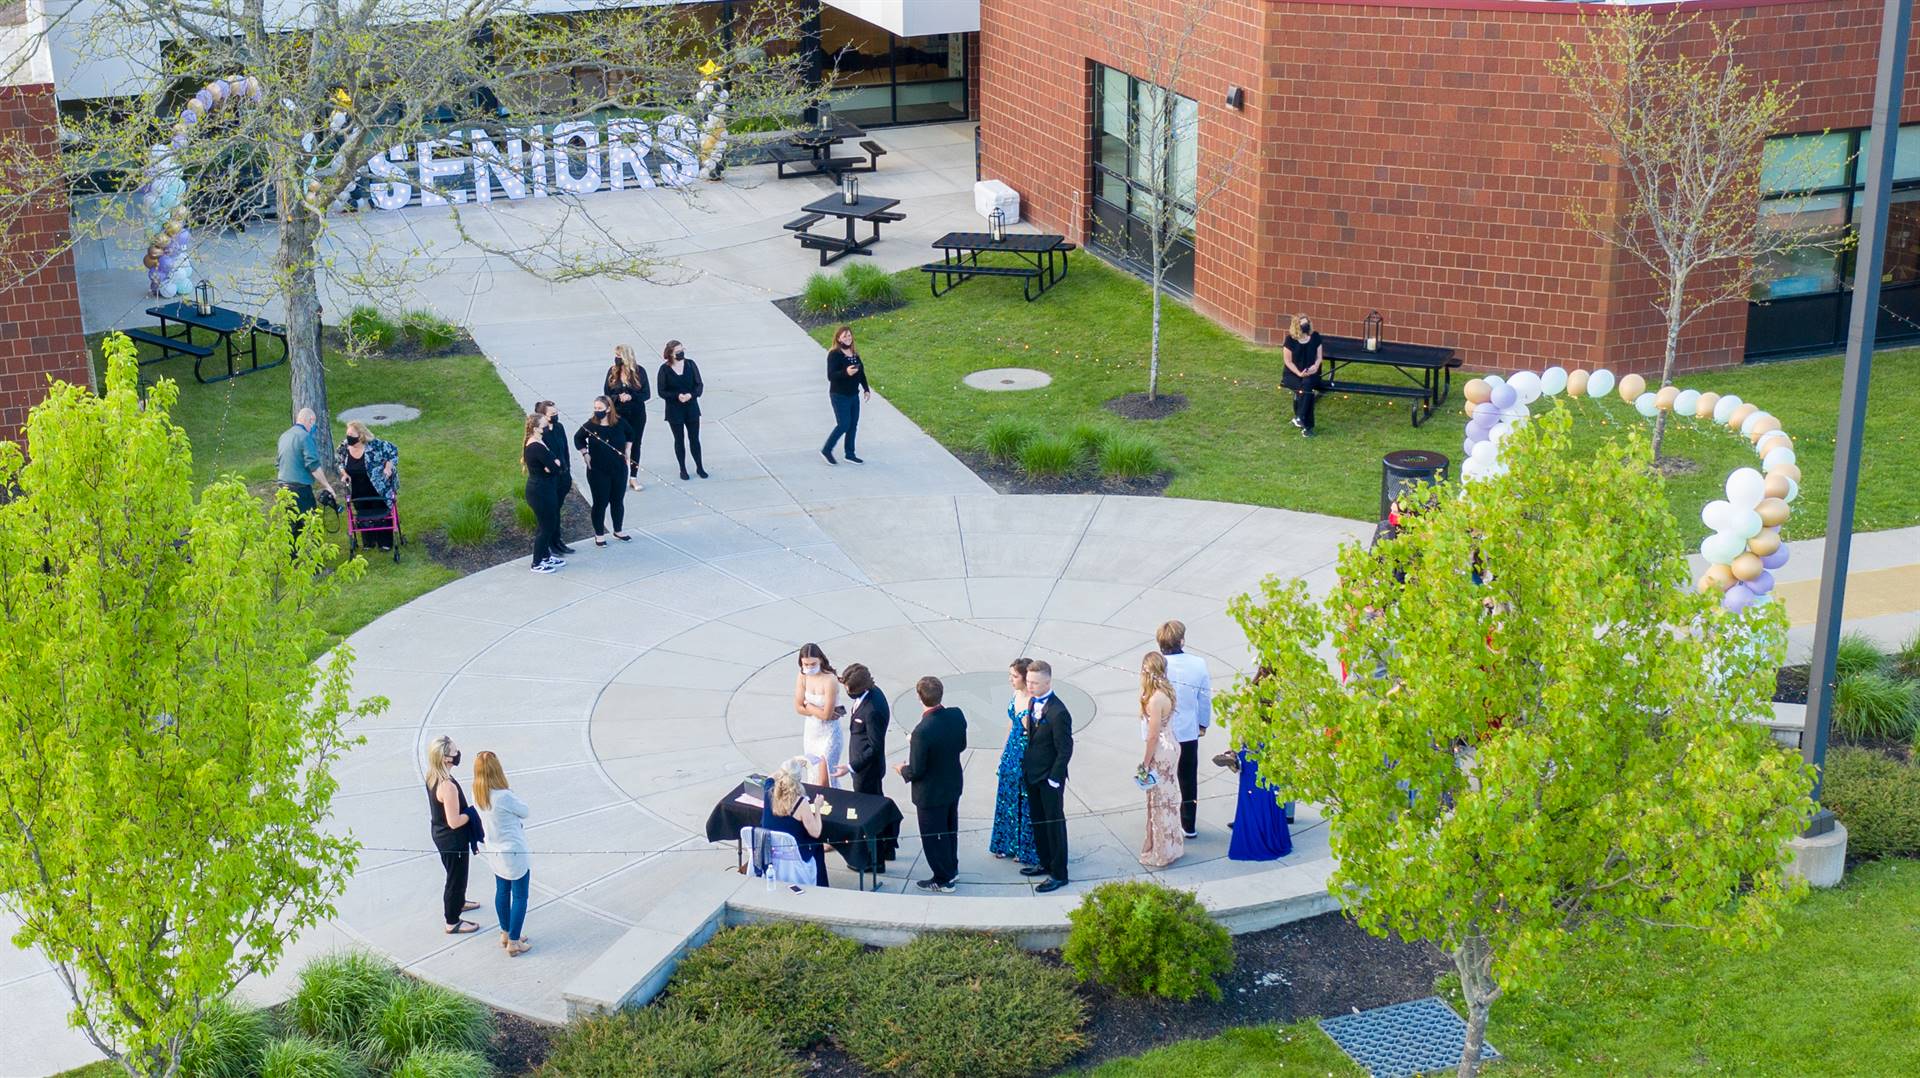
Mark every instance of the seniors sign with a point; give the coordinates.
(580, 158)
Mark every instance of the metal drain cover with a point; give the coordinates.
(1405, 1039)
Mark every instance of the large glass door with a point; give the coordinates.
(1127, 158)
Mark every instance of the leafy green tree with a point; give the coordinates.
(1554, 750)
(164, 742)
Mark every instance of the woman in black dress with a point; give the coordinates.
(543, 474)
(1303, 360)
(678, 380)
(602, 442)
(555, 436)
(626, 386)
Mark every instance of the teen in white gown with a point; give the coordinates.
(823, 736)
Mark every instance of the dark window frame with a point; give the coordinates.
(1105, 217)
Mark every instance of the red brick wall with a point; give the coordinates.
(1399, 157)
(39, 317)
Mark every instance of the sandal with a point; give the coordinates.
(464, 928)
(518, 949)
(470, 906)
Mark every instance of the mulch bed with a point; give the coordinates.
(519, 1044)
(1009, 479)
(1137, 406)
(509, 540)
(812, 320)
(461, 345)
(1790, 685)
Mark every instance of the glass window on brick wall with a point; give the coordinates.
(882, 79)
(1145, 157)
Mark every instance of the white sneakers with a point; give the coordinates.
(551, 565)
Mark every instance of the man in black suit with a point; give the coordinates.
(867, 716)
(1044, 770)
(933, 767)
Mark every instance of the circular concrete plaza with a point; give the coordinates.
(626, 694)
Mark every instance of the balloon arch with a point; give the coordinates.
(1744, 548)
(169, 257)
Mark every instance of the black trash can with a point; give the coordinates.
(1407, 469)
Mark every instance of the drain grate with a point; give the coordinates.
(1403, 1040)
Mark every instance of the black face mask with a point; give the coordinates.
(353, 439)
(599, 413)
(454, 760)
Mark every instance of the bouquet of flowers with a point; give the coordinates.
(1144, 778)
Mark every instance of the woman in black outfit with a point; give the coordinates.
(602, 442)
(556, 438)
(1303, 360)
(679, 382)
(846, 388)
(626, 387)
(543, 473)
(456, 829)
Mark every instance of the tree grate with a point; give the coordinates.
(1403, 1040)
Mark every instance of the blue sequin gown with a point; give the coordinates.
(1259, 821)
(1012, 818)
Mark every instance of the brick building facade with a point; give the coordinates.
(40, 334)
(1396, 155)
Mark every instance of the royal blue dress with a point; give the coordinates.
(1012, 818)
(1259, 821)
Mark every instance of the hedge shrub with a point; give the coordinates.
(667, 1039)
(731, 977)
(1143, 939)
(1877, 798)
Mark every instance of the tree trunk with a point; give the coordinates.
(299, 232)
(1474, 961)
(1153, 351)
(1667, 362)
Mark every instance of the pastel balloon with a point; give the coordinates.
(1600, 383)
(1752, 419)
(167, 290)
(1773, 439)
(1793, 486)
(188, 117)
(1706, 404)
(1791, 471)
(1738, 598)
(1747, 567)
(1577, 383)
(203, 99)
(1777, 487)
(1739, 415)
(1717, 514)
(1761, 584)
(1631, 386)
(1647, 404)
(1765, 543)
(219, 89)
(166, 264)
(1476, 390)
(1721, 548)
(1499, 433)
(1686, 402)
(1725, 406)
(1761, 425)
(1776, 560)
(1776, 457)
(1553, 381)
(1504, 397)
(1717, 577)
(1526, 386)
(1467, 444)
(151, 261)
(1745, 488)
(1745, 523)
(1469, 407)
(1664, 399)
(1773, 511)
(1495, 380)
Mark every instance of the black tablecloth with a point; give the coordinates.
(876, 825)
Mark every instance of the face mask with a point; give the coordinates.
(454, 760)
(353, 439)
(810, 668)
(679, 356)
(599, 411)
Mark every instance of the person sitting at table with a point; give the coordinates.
(371, 467)
(790, 812)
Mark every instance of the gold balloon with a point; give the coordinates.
(1631, 386)
(178, 212)
(1765, 543)
(1717, 577)
(1764, 426)
(1772, 440)
(1476, 390)
(151, 261)
(1791, 471)
(1773, 512)
(173, 228)
(1740, 415)
(1777, 487)
(1577, 383)
(1704, 409)
(1471, 405)
(1663, 400)
(1747, 567)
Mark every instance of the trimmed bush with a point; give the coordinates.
(1857, 654)
(338, 994)
(666, 1039)
(440, 1063)
(1874, 706)
(1142, 939)
(1091, 439)
(428, 331)
(303, 1057)
(1005, 436)
(231, 1042)
(367, 326)
(418, 1015)
(471, 521)
(729, 977)
(1129, 456)
(1048, 456)
(963, 1006)
(1877, 798)
(868, 283)
(826, 293)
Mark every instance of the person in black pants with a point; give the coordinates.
(543, 473)
(1303, 359)
(678, 380)
(933, 767)
(555, 436)
(602, 442)
(1044, 770)
(868, 715)
(626, 386)
(846, 388)
(456, 832)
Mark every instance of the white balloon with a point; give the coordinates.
(1745, 523)
(1499, 433)
(1777, 457)
(1685, 403)
(1646, 405)
(1721, 548)
(1752, 421)
(1717, 514)
(1467, 446)
(1553, 381)
(1527, 385)
(1600, 383)
(1494, 381)
(1793, 489)
(1727, 406)
(1769, 440)
(1745, 488)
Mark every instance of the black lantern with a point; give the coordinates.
(997, 225)
(203, 298)
(849, 189)
(824, 116)
(1372, 335)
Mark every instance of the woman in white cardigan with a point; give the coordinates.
(505, 816)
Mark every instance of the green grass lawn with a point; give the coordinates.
(464, 441)
(1235, 442)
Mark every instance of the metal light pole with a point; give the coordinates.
(1895, 25)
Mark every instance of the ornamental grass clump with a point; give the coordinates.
(417, 1014)
(337, 995)
(304, 1057)
(428, 331)
(826, 293)
(368, 327)
(231, 1042)
(668, 1039)
(1129, 456)
(1005, 436)
(728, 977)
(1857, 654)
(1140, 938)
(1875, 707)
(1049, 457)
(869, 284)
(442, 1063)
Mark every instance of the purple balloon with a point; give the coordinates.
(1738, 597)
(180, 141)
(205, 99)
(188, 117)
(1762, 584)
(1503, 397)
(167, 262)
(1777, 559)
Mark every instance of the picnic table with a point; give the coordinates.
(225, 323)
(872, 209)
(960, 260)
(864, 829)
(809, 152)
(1427, 371)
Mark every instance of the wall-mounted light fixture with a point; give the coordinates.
(1236, 98)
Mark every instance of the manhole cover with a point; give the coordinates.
(1008, 379)
(374, 415)
(983, 695)
(1405, 1039)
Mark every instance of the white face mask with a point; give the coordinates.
(810, 668)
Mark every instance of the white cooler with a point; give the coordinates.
(991, 195)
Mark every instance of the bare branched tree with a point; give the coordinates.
(1169, 184)
(1683, 124)
(307, 109)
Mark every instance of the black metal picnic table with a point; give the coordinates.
(819, 144)
(227, 323)
(960, 260)
(1427, 370)
(869, 208)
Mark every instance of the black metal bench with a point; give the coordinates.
(1428, 370)
(803, 222)
(875, 152)
(888, 218)
(167, 345)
